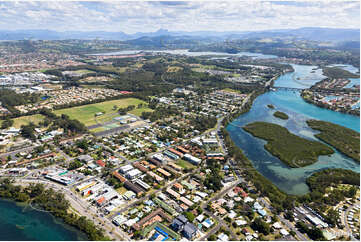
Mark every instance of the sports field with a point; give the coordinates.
(36, 118)
(231, 90)
(139, 111)
(185, 164)
(86, 113)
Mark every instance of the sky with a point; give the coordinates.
(141, 16)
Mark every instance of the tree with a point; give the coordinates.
(7, 123)
(212, 237)
(122, 111)
(35, 190)
(261, 226)
(288, 215)
(22, 197)
(74, 165)
(332, 217)
(190, 216)
(28, 131)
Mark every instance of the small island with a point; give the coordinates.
(345, 140)
(280, 115)
(289, 148)
(336, 72)
(270, 106)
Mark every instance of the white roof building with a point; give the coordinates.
(133, 173)
(241, 222)
(223, 237)
(126, 168)
(284, 232)
(119, 220)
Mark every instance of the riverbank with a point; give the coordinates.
(293, 150)
(53, 202)
(20, 222)
(308, 96)
(265, 186)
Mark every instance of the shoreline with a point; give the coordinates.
(326, 106)
(59, 212)
(263, 184)
(25, 208)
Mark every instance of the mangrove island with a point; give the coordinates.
(345, 140)
(280, 115)
(289, 148)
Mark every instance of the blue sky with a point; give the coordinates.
(141, 16)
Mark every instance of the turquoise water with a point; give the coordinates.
(256, 55)
(303, 77)
(290, 180)
(18, 222)
(353, 81)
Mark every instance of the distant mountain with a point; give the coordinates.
(171, 41)
(315, 34)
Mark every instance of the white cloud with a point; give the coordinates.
(138, 16)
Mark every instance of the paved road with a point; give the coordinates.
(13, 153)
(289, 225)
(212, 231)
(219, 220)
(348, 229)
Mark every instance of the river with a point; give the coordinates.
(189, 53)
(22, 223)
(290, 180)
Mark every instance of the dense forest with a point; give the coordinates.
(336, 72)
(345, 140)
(328, 189)
(9, 99)
(319, 181)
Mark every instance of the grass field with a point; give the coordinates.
(185, 164)
(93, 86)
(83, 71)
(231, 90)
(138, 111)
(99, 129)
(112, 68)
(121, 190)
(36, 118)
(85, 113)
(174, 69)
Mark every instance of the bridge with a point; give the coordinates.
(288, 88)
